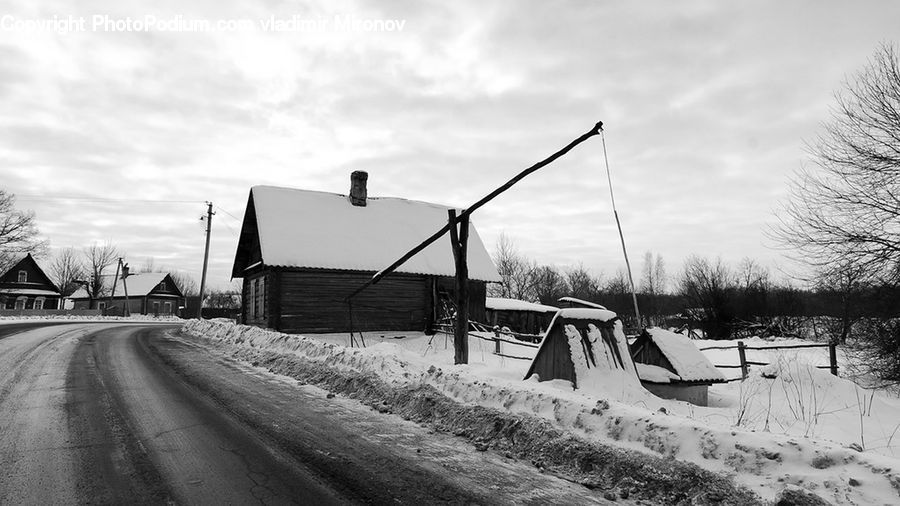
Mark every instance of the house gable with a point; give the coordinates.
(35, 277)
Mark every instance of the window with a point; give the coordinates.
(39, 303)
(162, 286)
(155, 308)
(23, 277)
(101, 305)
(251, 302)
(167, 308)
(20, 302)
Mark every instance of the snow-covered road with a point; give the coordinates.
(128, 413)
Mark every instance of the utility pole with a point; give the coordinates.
(209, 215)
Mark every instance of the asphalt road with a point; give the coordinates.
(131, 413)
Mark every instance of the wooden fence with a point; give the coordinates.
(745, 364)
(477, 330)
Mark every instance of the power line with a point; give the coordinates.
(229, 214)
(104, 199)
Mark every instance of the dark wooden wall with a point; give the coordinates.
(313, 302)
(646, 351)
(554, 358)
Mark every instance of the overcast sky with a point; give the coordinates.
(706, 108)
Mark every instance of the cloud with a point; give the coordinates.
(706, 108)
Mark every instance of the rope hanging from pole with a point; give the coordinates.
(612, 198)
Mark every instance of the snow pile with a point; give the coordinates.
(715, 438)
(501, 304)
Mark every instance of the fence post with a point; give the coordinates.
(496, 340)
(832, 358)
(743, 356)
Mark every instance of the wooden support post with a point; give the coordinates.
(496, 340)
(832, 358)
(459, 237)
(742, 353)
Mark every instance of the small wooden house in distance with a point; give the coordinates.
(150, 293)
(26, 286)
(672, 367)
(519, 315)
(588, 348)
(302, 252)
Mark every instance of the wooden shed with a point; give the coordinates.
(588, 348)
(672, 367)
(302, 252)
(519, 315)
(150, 293)
(25, 286)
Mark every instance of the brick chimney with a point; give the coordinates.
(358, 187)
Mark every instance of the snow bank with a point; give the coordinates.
(712, 438)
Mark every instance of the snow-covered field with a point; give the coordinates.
(794, 426)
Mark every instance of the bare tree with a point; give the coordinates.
(18, 233)
(549, 285)
(65, 269)
(516, 271)
(653, 286)
(707, 288)
(582, 284)
(653, 274)
(149, 265)
(847, 204)
(186, 283)
(98, 259)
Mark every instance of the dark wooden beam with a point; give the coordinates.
(459, 238)
(487, 198)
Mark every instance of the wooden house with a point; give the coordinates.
(151, 293)
(26, 286)
(672, 367)
(301, 253)
(588, 348)
(519, 315)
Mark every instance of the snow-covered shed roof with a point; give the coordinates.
(689, 362)
(320, 230)
(139, 285)
(580, 303)
(502, 304)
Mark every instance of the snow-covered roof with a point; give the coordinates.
(139, 285)
(501, 304)
(689, 362)
(579, 302)
(655, 373)
(584, 313)
(319, 230)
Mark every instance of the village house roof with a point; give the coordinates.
(689, 362)
(502, 304)
(39, 284)
(139, 285)
(286, 227)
